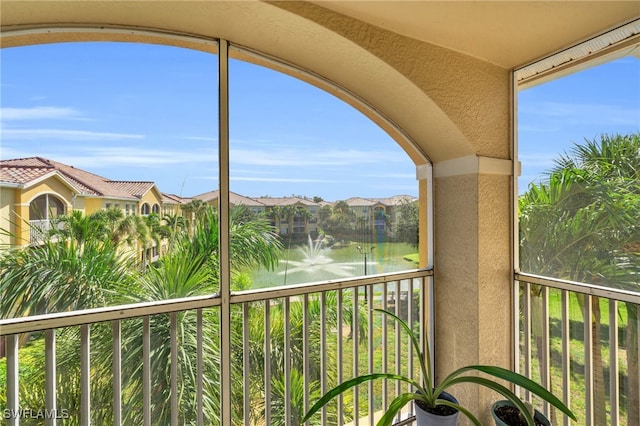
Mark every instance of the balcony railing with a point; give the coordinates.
(160, 362)
(38, 230)
(592, 363)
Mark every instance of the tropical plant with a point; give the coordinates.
(341, 222)
(60, 276)
(406, 228)
(428, 395)
(577, 223)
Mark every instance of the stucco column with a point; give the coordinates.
(20, 218)
(424, 176)
(473, 271)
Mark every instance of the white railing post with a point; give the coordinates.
(117, 372)
(245, 362)
(146, 371)
(200, 369)
(614, 381)
(287, 360)
(11, 347)
(174, 368)
(50, 377)
(85, 375)
(267, 362)
(306, 373)
(355, 358)
(588, 361)
(566, 352)
(323, 351)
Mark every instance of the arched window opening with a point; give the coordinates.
(321, 168)
(46, 207)
(42, 210)
(297, 200)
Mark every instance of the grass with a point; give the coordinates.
(577, 352)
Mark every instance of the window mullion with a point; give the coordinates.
(223, 211)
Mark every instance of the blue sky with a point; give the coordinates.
(553, 116)
(143, 112)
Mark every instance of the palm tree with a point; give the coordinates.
(60, 276)
(189, 269)
(77, 227)
(192, 211)
(576, 222)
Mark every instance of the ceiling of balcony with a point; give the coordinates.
(506, 33)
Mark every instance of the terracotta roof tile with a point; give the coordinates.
(137, 189)
(25, 170)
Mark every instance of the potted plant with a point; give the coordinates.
(506, 414)
(431, 400)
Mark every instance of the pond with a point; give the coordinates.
(311, 262)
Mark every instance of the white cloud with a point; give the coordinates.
(540, 160)
(135, 156)
(288, 180)
(37, 113)
(102, 157)
(66, 135)
(304, 158)
(580, 113)
(201, 138)
(390, 175)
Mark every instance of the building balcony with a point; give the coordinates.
(268, 354)
(38, 230)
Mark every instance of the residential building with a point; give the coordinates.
(35, 190)
(51, 188)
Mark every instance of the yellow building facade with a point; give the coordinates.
(36, 190)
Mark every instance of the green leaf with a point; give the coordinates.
(425, 359)
(528, 384)
(460, 408)
(351, 383)
(500, 389)
(395, 406)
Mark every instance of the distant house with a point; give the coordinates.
(35, 190)
(376, 217)
(292, 215)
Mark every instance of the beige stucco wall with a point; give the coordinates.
(152, 197)
(92, 205)
(52, 186)
(7, 218)
(451, 105)
(466, 99)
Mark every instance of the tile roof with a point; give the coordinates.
(174, 199)
(24, 171)
(137, 189)
(285, 201)
(361, 202)
(395, 200)
(235, 199)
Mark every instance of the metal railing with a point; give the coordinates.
(38, 230)
(592, 363)
(159, 362)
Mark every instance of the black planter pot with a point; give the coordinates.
(538, 416)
